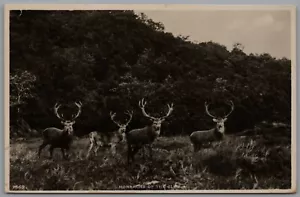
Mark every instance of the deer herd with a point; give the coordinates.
(135, 139)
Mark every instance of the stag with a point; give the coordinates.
(138, 138)
(200, 138)
(109, 139)
(60, 138)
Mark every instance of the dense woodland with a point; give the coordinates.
(109, 60)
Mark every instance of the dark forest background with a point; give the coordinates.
(109, 60)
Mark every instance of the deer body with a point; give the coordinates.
(137, 138)
(105, 139)
(141, 136)
(202, 138)
(59, 138)
(108, 139)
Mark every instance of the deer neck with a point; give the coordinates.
(219, 132)
(67, 133)
(119, 131)
(154, 131)
(121, 134)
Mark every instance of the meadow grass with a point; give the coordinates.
(235, 163)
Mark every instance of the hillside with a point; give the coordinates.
(111, 59)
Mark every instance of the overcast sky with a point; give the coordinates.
(259, 31)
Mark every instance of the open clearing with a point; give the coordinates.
(235, 163)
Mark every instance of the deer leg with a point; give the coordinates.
(129, 152)
(143, 153)
(42, 146)
(113, 149)
(68, 152)
(63, 153)
(197, 166)
(89, 150)
(96, 147)
(51, 151)
(150, 151)
(196, 147)
(135, 150)
(196, 169)
(132, 150)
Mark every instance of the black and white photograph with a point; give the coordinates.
(150, 98)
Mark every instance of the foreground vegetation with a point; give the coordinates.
(238, 162)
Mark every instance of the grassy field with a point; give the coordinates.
(235, 163)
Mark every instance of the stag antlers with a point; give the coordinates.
(228, 102)
(113, 115)
(129, 113)
(78, 104)
(142, 105)
(56, 107)
(61, 117)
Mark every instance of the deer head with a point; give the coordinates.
(156, 122)
(122, 127)
(220, 120)
(68, 124)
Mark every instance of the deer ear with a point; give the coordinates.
(215, 120)
(62, 122)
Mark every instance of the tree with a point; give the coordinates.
(21, 85)
(21, 89)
